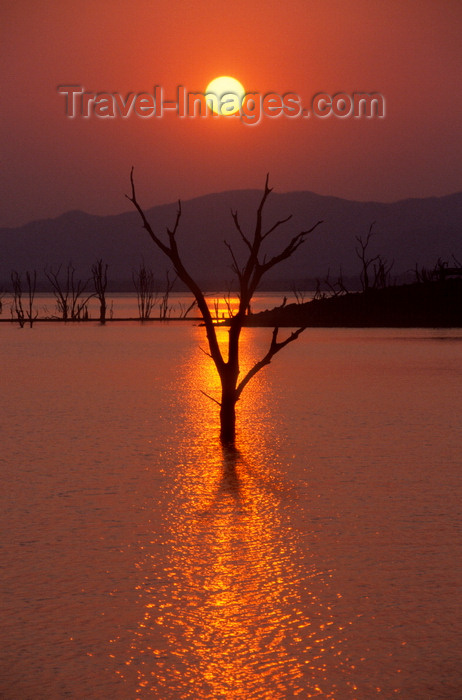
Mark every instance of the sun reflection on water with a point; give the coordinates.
(233, 609)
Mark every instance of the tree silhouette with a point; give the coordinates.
(69, 294)
(143, 280)
(17, 308)
(249, 276)
(99, 274)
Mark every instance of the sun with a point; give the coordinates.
(225, 95)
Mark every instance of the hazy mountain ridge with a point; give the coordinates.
(409, 231)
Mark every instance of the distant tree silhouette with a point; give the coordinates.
(366, 262)
(69, 294)
(164, 310)
(143, 280)
(28, 314)
(99, 272)
(249, 275)
(17, 308)
(381, 267)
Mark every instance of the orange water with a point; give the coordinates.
(140, 560)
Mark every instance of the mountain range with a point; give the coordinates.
(408, 232)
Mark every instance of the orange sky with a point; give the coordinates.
(410, 52)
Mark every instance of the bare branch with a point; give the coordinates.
(238, 226)
(228, 305)
(172, 253)
(298, 294)
(184, 313)
(366, 262)
(235, 266)
(69, 294)
(210, 397)
(275, 226)
(146, 223)
(143, 280)
(163, 306)
(205, 352)
(99, 272)
(31, 286)
(274, 348)
(17, 298)
(266, 193)
(289, 250)
(172, 233)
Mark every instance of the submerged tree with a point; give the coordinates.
(380, 279)
(99, 273)
(17, 308)
(164, 310)
(143, 280)
(28, 314)
(71, 301)
(366, 262)
(249, 275)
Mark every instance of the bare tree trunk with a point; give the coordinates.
(228, 416)
(17, 298)
(28, 314)
(69, 294)
(31, 285)
(143, 280)
(99, 272)
(249, 275)
(163, 306)
(366, 262)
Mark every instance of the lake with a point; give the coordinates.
(141, 560)
(124, 305)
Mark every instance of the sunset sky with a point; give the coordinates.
(409, 51)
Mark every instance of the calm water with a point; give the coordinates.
(125, 305)
(139, 560)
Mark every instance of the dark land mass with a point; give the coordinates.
(408, 232)
(435, 304)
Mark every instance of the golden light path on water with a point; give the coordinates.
(233, 608)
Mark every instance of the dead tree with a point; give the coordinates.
(249, 275)
(337, 288)
(69, 294)
(382, 270)
(60, 292)
(143, 280)
(319, 293)
(17, 309)
(99, 272)
(27, 313)
(366, 262)
(31, 278)
(163, 306)
(440, 271)
(184, 310)
(298, 294)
